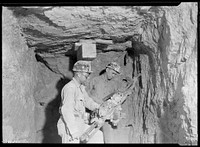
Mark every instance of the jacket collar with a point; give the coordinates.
(76, 82)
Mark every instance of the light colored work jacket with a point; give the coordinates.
(100, 87)
(74, 100)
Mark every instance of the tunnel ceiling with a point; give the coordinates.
(53, 31)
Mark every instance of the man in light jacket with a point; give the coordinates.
(101, 86)
(75, 99)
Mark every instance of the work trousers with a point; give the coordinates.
(115, 135)
(62, 131)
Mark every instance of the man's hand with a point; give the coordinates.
(103, 111)
(115, 122)
(117, 116)
(75, 137)
(98, 121)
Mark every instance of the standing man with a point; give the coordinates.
(75, 99)
(100, 87)
(105, 84)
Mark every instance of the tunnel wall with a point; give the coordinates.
(47, 97)
(19, 81)
(165, 106)
(178, 50)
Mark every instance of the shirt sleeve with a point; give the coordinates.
(89, 102)
(67, 108)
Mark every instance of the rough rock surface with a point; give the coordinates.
(159, 42)
(180, 71)
(47, 101)
(169, 72)
(19, 81)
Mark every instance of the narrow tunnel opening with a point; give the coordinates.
(127, 59)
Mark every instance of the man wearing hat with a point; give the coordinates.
(74, 100)
(100, 87)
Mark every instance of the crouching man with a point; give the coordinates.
(74, 100)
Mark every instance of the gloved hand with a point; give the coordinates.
(75, 137)
(97, 120)
(117, 116)
(103, 111)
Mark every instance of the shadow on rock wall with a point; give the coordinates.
(50, 132)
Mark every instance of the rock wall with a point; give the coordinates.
(19, 81)
(165, 106)
(47, 96)
(179, 66)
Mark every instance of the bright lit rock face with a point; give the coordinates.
(158, 42)
(180, 71)
(19, 81)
